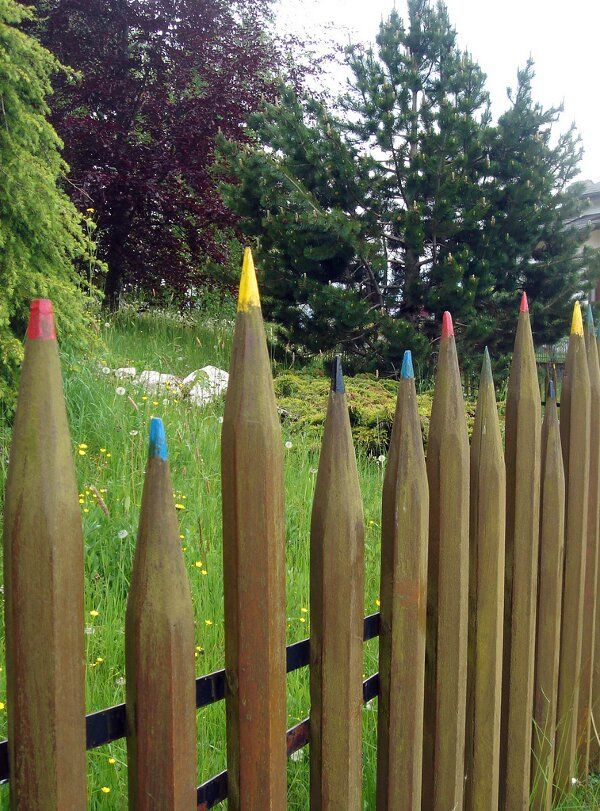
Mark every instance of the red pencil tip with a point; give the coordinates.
(524, 308)
(41, 321)
(447, 325)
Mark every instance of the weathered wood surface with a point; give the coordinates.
(404, 534)
(522, 456)
(550, 580)
(575, 439)
(254, 567)
(337, 612)
(447, 586)
(159, 651)
(486, 601)
(43, 588)
(591, 557)
(594, 764)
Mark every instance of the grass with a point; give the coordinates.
(109, 433)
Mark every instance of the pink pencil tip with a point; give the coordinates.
(524, 308)
(447, 325)
(41, 321)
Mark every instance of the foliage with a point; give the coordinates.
(41, 235)
(157, 82)
(372, 218)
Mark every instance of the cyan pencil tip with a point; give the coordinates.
(158, 439)
(337, 376)
(407, 371)
(589, 318)
(41, 320)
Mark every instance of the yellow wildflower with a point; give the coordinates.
(94, 613)
(112, 761)
(180, 506)
(105, 790)
(208, 622)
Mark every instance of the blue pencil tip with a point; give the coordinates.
(158, 439)
(407, 366)
(589, 318)
(551, 390)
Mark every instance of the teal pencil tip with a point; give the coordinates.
(158, 439)
(589, 318)
(407, 371)
(337, 376)
(551, 390)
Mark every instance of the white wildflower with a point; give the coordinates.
(105, 370)
(133, 433)
(288, 444)
(122, 533)
(120, 390)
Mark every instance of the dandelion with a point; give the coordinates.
(302, 619)
(90, 210)
(182, 537)
(122, 533)
(89, 630)
(199, 648)
(144, 397)
(198, 564)
(86, 509)
(208, 622)
(103, 490)
(105, 790)
(107, 324)
(288, 444)
(381, 459)
(120, 681)
(313, 471)
(304, 610)
(81, 452)
(184, 548)
(377, 603)
(203, 571)
(99, 659)
(112, 761)
(105, 370)
(180, 506)
(108, 455)
(83, 446)
(81, 501)
(221, 420)
(94, 613)
(154, 402)
(2, 705)
(120, 390)
(371, 523)
(133, 433)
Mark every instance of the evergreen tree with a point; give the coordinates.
(41, 236)
(410, 201)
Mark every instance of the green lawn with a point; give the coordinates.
(109, 433)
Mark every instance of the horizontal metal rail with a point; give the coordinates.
(106, 726)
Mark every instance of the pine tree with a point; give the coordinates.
(41, 235)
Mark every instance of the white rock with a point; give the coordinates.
(210, 382)
(125, 371)
(152, 381)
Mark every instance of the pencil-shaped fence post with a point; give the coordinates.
(575, 439)
(337, 611)
(550, 580)
(43, 588)
(254, 567)
(486, 601)
(159, 651)
(447, 586)
(594, 763)
(522, 456)
(403, 595)
(591, 556)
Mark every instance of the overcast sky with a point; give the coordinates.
(563, 38)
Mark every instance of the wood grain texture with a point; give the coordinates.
(550, 579)
(43, 595)
(594, 763)
(575, 439)
(254, 574)
(522, 457)
(486, 601)
(159, 657)
(336, 610)
(447, 589)
(591, 561)
(404, 534)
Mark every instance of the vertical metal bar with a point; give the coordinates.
(159, 651)
(254, 566)
(336, 610)
(404, 534)
(43, 582)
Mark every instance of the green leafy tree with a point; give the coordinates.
(409, 201)
(41, 235)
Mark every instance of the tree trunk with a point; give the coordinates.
(113, 286)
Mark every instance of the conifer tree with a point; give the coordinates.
(41, 234)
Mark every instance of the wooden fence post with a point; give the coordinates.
(522, 456)
(337, 614)
(594, 764)
(404, 533)
(447, 586)
(254, 566)
(550, 580)
(575, 438)
(159, 651)
(486, 601)
(591, 560)
(43, 588)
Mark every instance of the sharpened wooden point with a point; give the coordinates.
(157, 445)
(337, 376)
(41, 321)
(524, 308)
(577, 322)
(447, 325)
(248, 296)
(551, 390)
(407, 372)
(589, 319)
(486, 366)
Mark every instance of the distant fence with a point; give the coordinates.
(488, 678)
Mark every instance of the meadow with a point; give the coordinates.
(109, 429)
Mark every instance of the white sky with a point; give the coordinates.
(563, 36)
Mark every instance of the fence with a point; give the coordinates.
(487, 636)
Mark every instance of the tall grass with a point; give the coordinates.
(109, 433)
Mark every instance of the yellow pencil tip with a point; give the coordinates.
(248, 295)
(577, 322)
